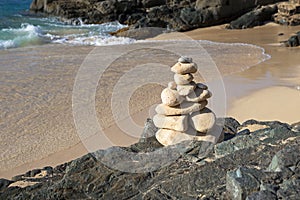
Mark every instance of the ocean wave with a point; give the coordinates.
(94, 40)
(26, 35)
(50, 31)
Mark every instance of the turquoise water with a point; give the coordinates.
(18, 28)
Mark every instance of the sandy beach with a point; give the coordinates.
(271, 88)
(38, 127)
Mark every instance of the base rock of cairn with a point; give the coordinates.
(183, 114)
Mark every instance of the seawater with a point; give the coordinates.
(19, 28)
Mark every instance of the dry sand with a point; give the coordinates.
(273, 103)
(41, 130)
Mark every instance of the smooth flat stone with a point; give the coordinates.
(203, 120)
(185, 90)
(198, 95)
(183, 79)
(170, 137)
(182, 109)
(202, 86)
(178, 123)
(184, 68)
(184, 59)
(171, 97)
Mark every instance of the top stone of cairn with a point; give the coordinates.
(184, 59)
(184, 66)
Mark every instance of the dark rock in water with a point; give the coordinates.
(38, 5)
(256, 17)
(172, 14)
(264, 164)
(293, 41)
(140, 33)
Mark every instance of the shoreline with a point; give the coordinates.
(282, 70)
(256, 74)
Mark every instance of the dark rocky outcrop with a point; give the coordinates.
(288, 13)
(293, 41)
(172, 14)
(139, 33)
(257, 17)
(264, 164)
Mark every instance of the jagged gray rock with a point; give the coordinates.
(196, 173)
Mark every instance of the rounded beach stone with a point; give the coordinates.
(184, 59)
(185, 90)
(203, 120)
(198, 95)
(172, 85)
(184, 68)
(171, 97)
(182, 109)
(183, 79)
(202, 86)
(170, 137)
(178, 123)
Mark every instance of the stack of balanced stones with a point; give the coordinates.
(183, 114)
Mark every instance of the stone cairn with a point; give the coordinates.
(183, 114)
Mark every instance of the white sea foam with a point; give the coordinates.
(52, 31)
(27, 34)
(94, 40)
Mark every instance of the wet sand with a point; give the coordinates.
(38, 124)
